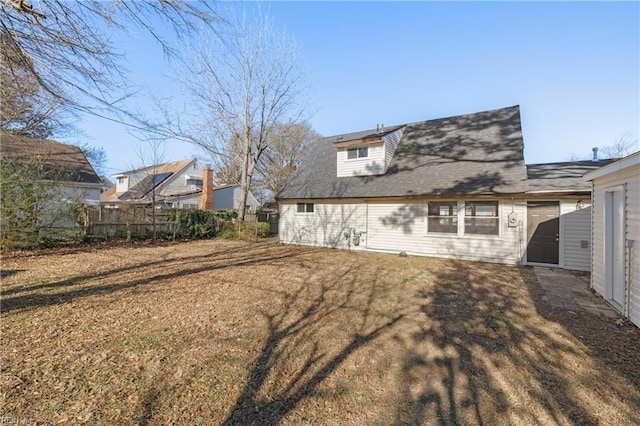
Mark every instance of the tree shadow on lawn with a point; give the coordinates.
(483, 355)
(281, 378)
(181, 266)
(614, 346)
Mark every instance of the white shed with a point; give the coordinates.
(615, 255)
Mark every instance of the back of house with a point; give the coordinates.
(455, 187)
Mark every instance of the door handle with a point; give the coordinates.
(557, 237)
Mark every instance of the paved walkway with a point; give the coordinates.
(569, 290)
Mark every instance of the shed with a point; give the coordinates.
(615, 217)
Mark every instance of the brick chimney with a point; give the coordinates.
(206, 201)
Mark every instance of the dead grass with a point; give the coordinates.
(229, 332)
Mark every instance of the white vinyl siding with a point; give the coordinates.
(390, 144)
(177, 183)
(629, 179)
(402, 227)
(324, 227)
(373, 164)
(575, 231)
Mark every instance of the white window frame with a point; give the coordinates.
(446, 234)
(358, 156)
(495, 218)
(461, 219)
(306, 208)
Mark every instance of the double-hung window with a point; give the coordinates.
(481, 218)
(305, 207)
(463, 218)
(353, 153)
(443, 217)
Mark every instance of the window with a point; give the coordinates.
(481, 218)
(353, 153)
(189, 206)
(122, 180)
(443, 217)
(463, 218)
(194, 181)
(305, 207)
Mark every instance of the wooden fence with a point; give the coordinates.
(127, 221)
(131, 221)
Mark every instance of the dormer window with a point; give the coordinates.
(122, 180)
(362, 152)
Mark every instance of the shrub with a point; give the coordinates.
(228, 234)
(193, 223)
(248, 230)
(226, 215)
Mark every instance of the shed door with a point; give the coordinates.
(543, 232)
(614, 244)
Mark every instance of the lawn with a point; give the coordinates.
(231, 332)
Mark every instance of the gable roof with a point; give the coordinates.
(154, 176)
(480, 153)
(63, 162)
(561, 177)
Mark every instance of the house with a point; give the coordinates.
(455, 187)
(227, 197)
(173, 184)
(615, 253)
(178, 184)
(43, 182)
(66, 165)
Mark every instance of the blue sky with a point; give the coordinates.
(573, 68)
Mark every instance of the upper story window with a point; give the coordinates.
(196, 182)
(362, 152)
(121, 180)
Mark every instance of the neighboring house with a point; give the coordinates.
(455, 187)
(174, 184)
(227, 197)
(178, 184)
(65, 164)
(615, 255)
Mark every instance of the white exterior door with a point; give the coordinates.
(614, 248)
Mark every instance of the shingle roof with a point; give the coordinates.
(479, 153)
(61, 161)
(160, 174)
(565, 176)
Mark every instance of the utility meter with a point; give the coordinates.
(512, 220)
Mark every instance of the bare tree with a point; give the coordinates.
(152, 153)
(65, 47)
(623, 145)
(242, 86)
(26, 109)
(287, 147)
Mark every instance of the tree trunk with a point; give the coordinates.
(244, 186)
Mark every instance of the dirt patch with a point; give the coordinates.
(229, 332)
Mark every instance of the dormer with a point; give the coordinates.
(366, 153)
(122, 183)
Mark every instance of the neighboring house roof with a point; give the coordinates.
(155, 176)
(560, 177)
(64, 162)
(481, 153)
